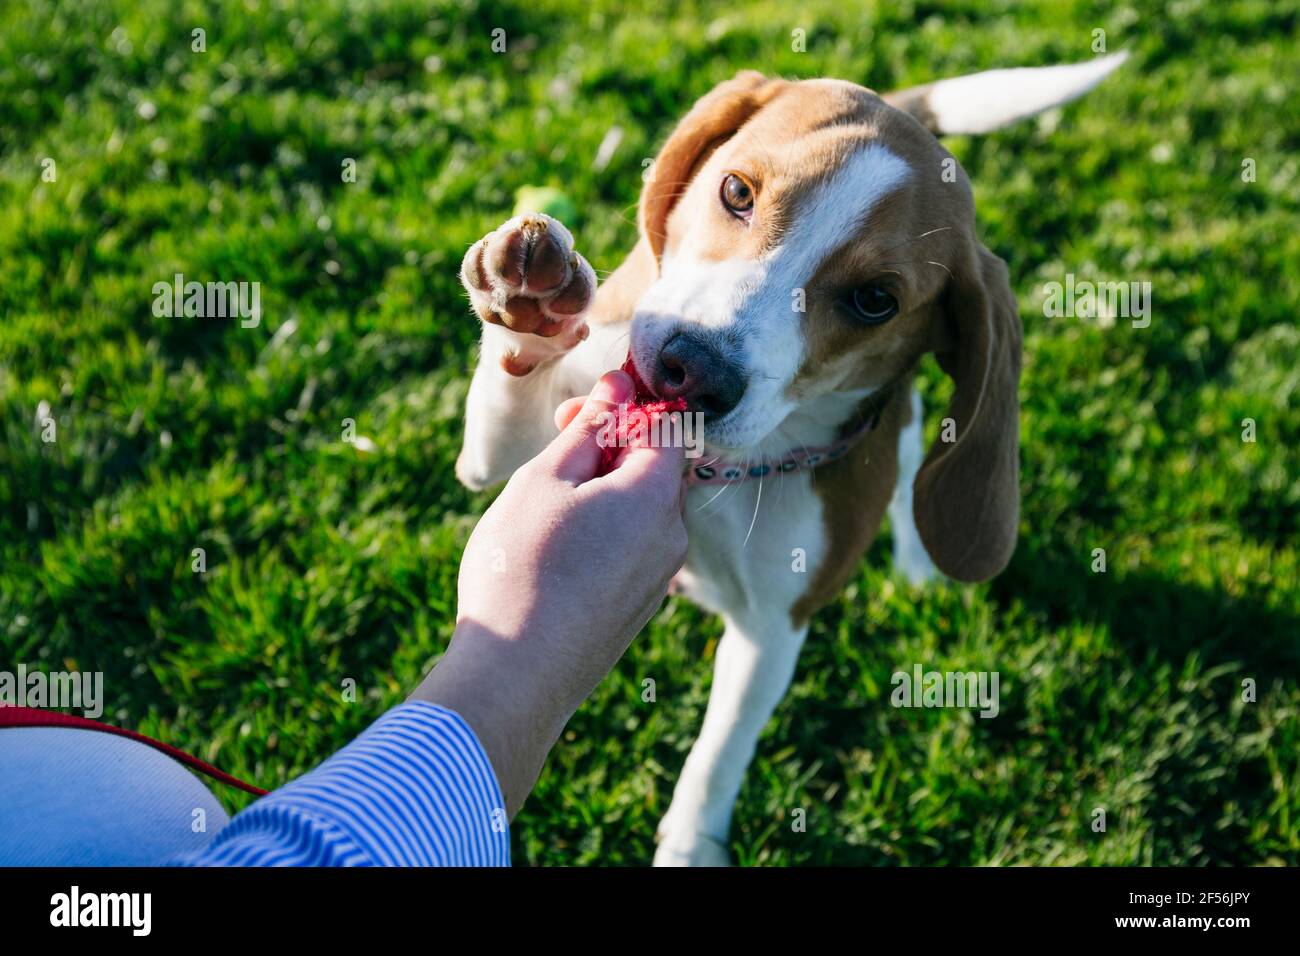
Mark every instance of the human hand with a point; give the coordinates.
(558, 577)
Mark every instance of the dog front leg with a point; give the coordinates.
(508, 418)
(531, 290)
(755, 662)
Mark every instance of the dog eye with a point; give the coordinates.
(873, 304)
(737, 196)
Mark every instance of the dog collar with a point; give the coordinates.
(719, 471)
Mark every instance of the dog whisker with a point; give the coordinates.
(711, 500)
(923, 235)
(915, 262)
(754, 520)
(613, 346)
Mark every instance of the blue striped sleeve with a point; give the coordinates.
(416, 789)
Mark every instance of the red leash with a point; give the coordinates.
(34, 717)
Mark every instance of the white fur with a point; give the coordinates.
(910, 556)
(742, 563)
(983, 102)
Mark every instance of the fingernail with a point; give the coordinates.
(613, 387)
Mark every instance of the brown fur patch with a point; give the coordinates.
(854, 491)
(513, 366)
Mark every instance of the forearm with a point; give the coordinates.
(416, 789)
(487, 680)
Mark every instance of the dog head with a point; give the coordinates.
(813, 241)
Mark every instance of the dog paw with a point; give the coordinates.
(690, 849)
(526, 279)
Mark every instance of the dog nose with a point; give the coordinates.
(690, 367)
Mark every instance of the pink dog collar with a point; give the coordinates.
(721, 472)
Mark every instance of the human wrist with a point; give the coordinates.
(484, 680)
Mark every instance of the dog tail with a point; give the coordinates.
(983, 102)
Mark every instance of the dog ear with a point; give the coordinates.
(966, 497)
(713, 120)
(983, 102)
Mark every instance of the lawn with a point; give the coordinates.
(329, 561)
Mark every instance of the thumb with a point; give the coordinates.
(575, 453)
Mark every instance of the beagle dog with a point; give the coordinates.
(802, 246)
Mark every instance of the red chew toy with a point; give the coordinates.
(645, 402)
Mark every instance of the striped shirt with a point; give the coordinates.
(416, 789)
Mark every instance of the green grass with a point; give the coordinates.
(1119, 690)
